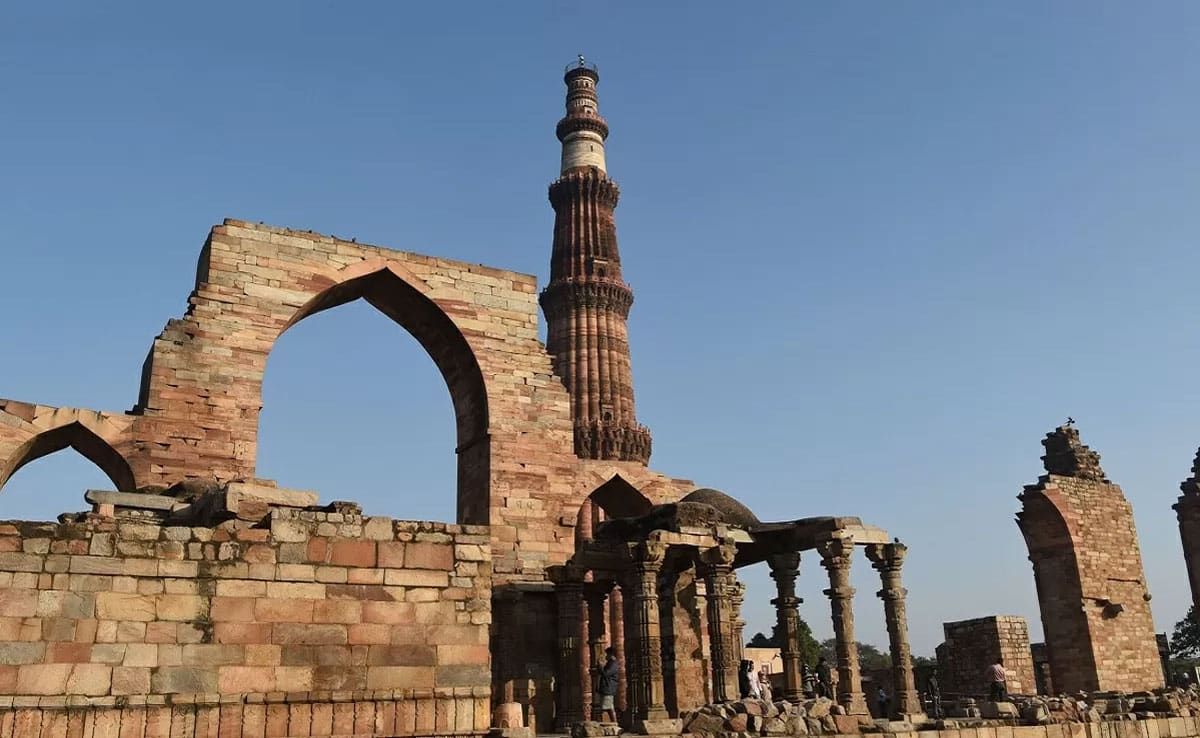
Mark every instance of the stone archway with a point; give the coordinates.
(391, 290)
(79, 437)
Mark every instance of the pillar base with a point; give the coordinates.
(659, 726)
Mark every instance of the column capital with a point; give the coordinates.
(885, 556)
(785, 564)
(720, 556)
(836, 553)
(647, 555)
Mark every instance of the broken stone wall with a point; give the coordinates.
(1091, 586)
(971, 646)
(315, 623)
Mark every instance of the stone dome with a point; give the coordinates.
(734, 512)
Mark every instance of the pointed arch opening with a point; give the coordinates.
(397, 295)
(79, 437)
(616, 498)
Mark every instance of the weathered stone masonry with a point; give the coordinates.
(317, 621)
(1088, 570)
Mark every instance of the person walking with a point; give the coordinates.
(997, 682)
(610, 679)
(884, 703)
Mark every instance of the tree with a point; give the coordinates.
(809, 648)
(1185, 641)
(869, 657)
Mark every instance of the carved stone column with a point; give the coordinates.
(646, 672)
(568, 590)
(700, 617)
(739, 625)
(716, 566)
(887, 560)
(835, 557)
(784, 570)
(596, 594)
(617, 619)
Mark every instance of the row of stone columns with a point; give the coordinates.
(643, 639)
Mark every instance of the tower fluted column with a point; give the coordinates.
(586, 302)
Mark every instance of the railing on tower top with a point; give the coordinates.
(581, 63)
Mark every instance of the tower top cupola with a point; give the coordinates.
(582, 131)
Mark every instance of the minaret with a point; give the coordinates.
(586, 302)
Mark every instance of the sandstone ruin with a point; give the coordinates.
(195, 599)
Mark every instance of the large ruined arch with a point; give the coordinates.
(82, 439)
(391, 290)
(1050, 538)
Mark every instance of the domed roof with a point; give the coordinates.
(734, 512)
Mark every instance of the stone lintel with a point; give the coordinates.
(134, 500)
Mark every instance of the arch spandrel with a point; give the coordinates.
(74, 434)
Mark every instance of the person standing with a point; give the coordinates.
(764, 683)
(610, 679)
(884, 703)
(997, 682)
(824, 679)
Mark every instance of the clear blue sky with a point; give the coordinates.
(878, 249)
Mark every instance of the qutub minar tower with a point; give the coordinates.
(586, 302)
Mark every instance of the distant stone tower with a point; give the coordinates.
(1088, 569)
(586, 302)
(1188, 510)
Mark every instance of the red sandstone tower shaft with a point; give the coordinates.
(586, 302)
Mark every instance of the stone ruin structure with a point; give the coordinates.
(195, 599)
(1088, 570)
(1188, 511)
(675, 566)
(971, 646)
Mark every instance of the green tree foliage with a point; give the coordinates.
(809, 648)
(1185, 641)
(869, 657)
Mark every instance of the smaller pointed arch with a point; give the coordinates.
(620, 499)
(79, 437)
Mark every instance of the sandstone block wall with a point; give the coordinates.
(1091, 586)
(197, 411)
(971, 646)
(310, 618)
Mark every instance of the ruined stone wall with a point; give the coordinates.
(1091, 585)
(316, 622)
(971, 646)
(198, 409)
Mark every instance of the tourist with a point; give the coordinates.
(997, 678)
(610, 678)
(824, 678)
(935, 695)
(808, 681)
(764, 682)
(884, 702)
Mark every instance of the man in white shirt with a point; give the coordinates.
(997, 682)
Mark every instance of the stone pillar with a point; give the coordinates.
(617, 618)
(716, 566)
(784, 570)
(568, 590)
(701, 618)
(647, 672)
(739, 626)
(887, 560)
(596, 594)
(835, 557)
